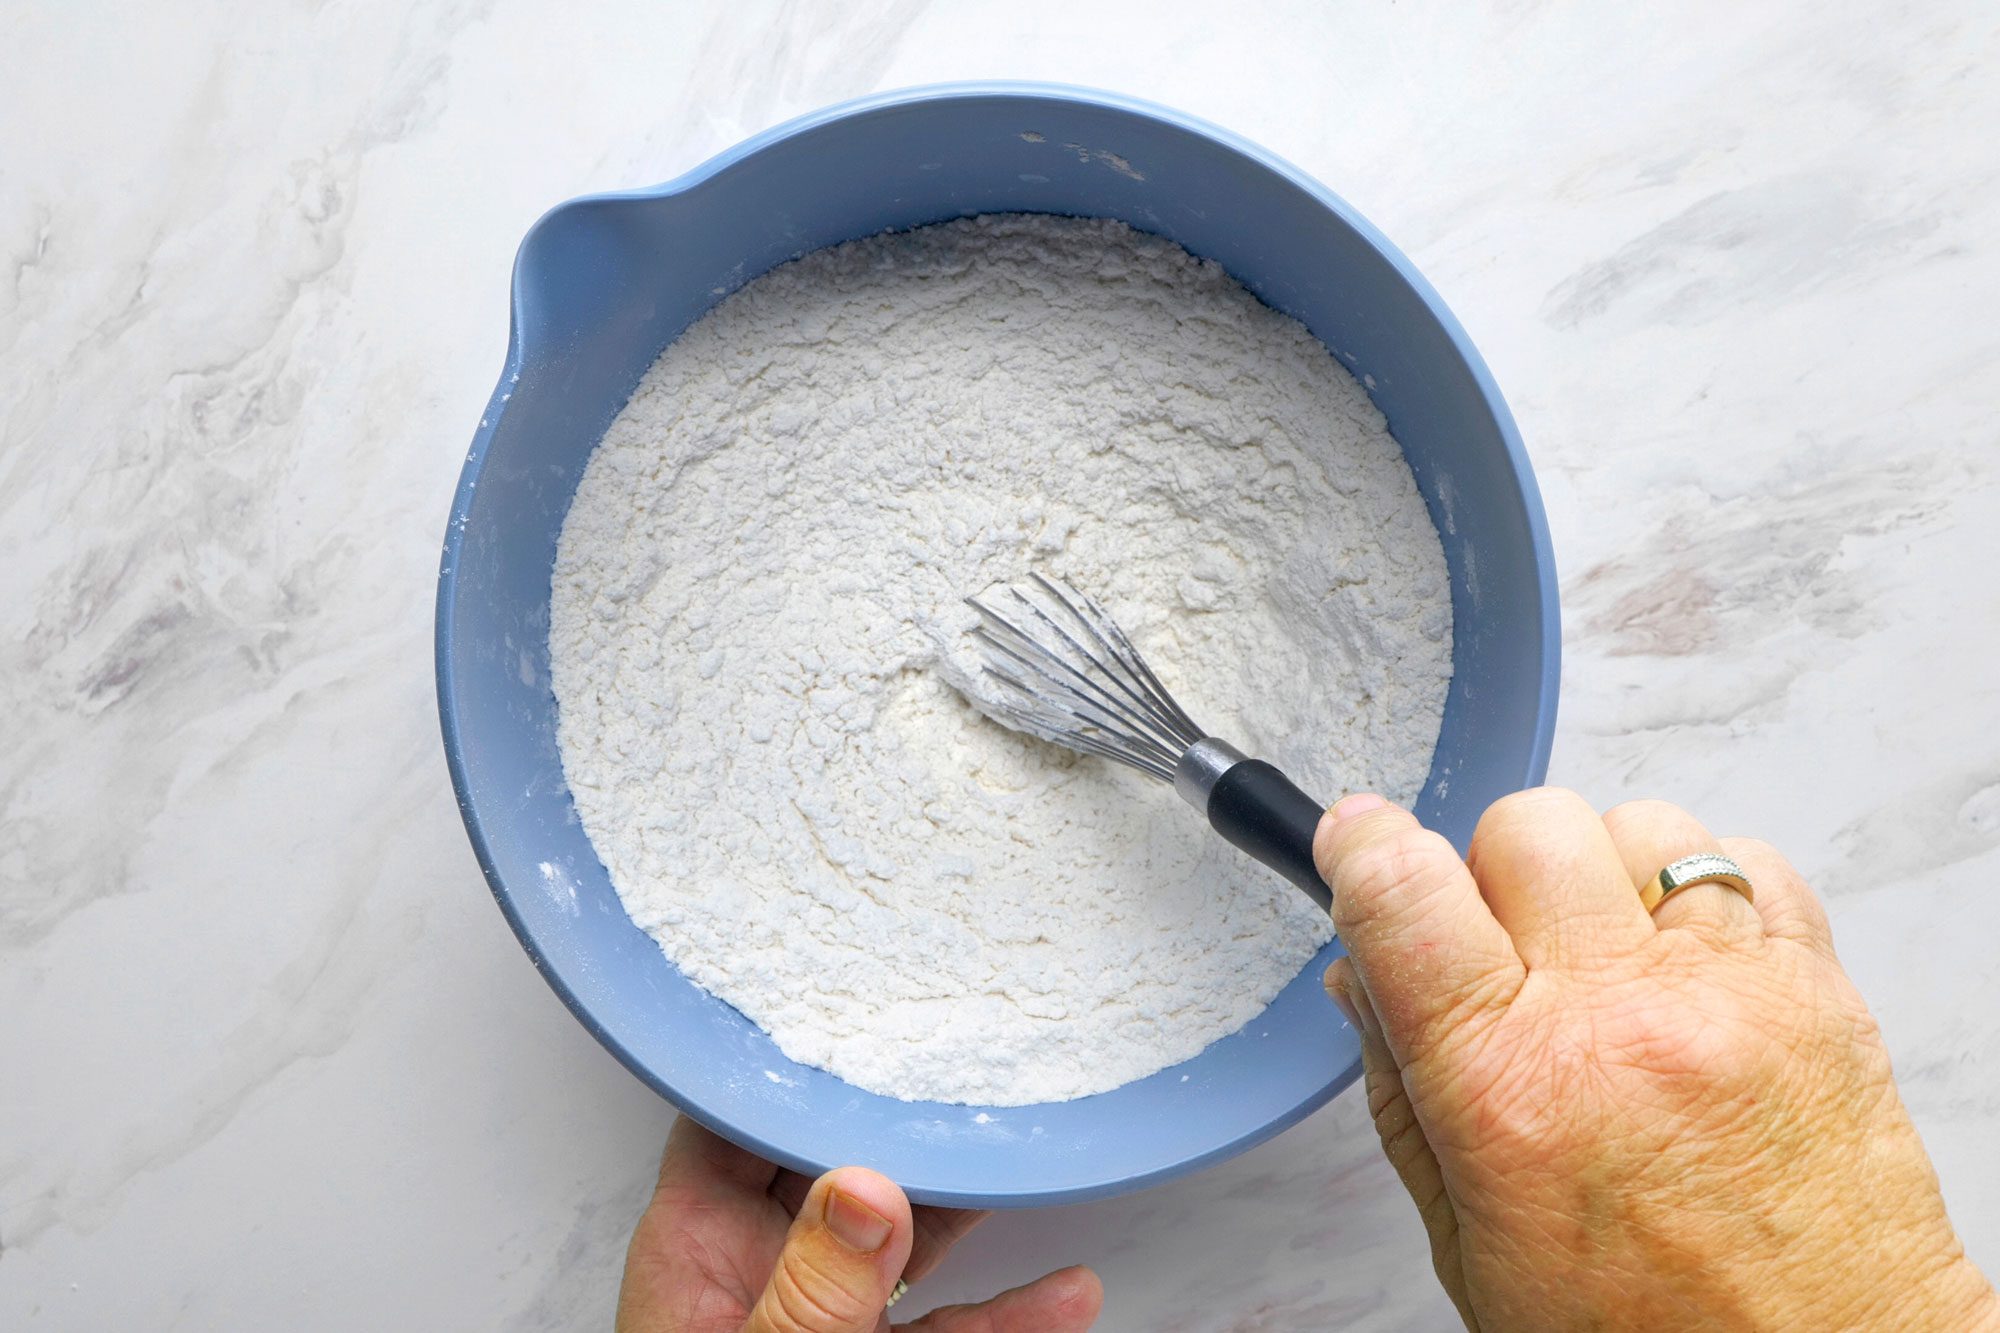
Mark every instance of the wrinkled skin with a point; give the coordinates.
(1607, 1119)
(1614, 1120)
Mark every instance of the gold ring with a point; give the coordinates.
(1706, 868)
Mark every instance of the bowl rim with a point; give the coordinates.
(1527, 494)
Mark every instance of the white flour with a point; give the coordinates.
(756, 613)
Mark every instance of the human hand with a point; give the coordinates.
(732, 1244)
(1615, 1120)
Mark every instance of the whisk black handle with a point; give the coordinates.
(1263, 812)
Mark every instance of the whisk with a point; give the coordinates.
(1071, 677)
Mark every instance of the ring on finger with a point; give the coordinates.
(1704, 868)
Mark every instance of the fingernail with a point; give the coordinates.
(1347, 807)
(854, 1224)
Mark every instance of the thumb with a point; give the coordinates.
(847, 1246)
(1426, 947)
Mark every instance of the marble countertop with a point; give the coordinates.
(272, 1059)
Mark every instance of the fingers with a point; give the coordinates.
(1066, 1301)
(1653, 834)
(847, 1246)
(1786, 904)
(1548, 867)
(703, 1168)
(790, 1190)
(1403, 1139)
(938, 1229)
(1425, 945)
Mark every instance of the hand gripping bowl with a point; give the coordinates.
(602, 284)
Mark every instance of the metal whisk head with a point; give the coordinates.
(1073, 678)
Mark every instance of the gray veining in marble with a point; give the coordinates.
(272, 1058)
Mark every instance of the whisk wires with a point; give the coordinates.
(1073, 678)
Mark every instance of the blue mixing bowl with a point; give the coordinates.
(602, 284)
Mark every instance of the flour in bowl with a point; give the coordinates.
(756, 628)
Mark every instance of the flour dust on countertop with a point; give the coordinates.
(757, 638)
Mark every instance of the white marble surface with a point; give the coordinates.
(271, 1059)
